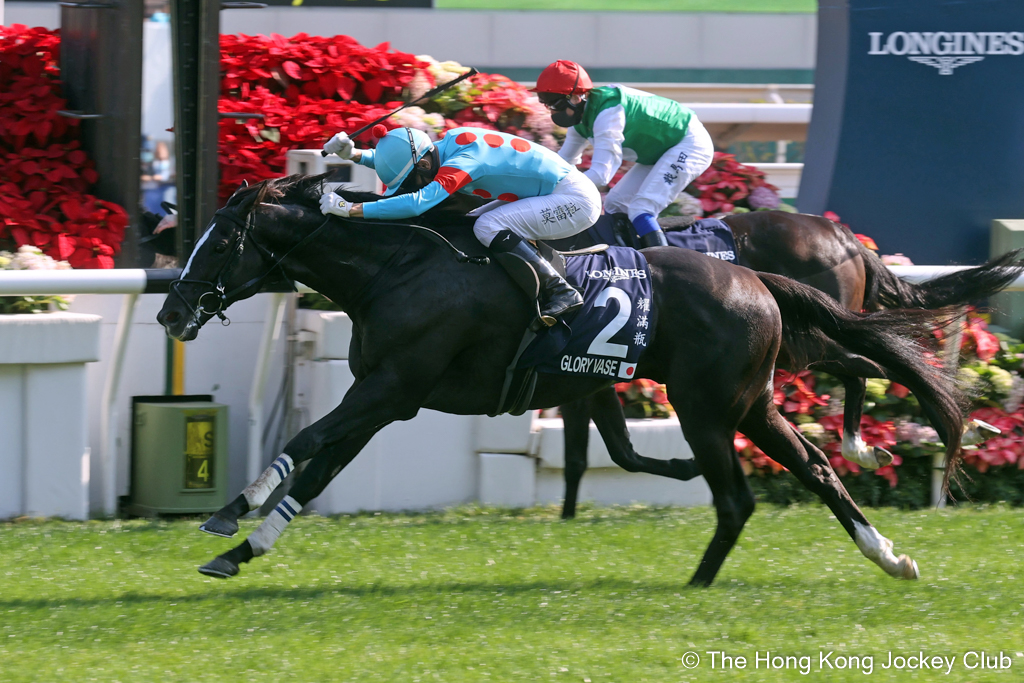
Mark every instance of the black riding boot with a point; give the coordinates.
(557, 296)
(655, 238)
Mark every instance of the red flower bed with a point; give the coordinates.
(726, 184)
(44, 198)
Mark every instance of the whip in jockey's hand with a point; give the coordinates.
(537, 195)
(341, 144)
(667, 141)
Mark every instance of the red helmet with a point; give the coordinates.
(563, 78)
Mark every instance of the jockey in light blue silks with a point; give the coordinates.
(670, 146)
(535, 193)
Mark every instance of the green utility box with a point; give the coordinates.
(179, 456)
(1008, 307)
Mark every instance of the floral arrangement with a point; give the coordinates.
(44, 199)
(731, 187)
(304, 89)
(31, 258)
(643, 398)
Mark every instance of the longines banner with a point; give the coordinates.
(351, 3)
(917, 136)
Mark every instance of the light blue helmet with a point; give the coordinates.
(396, 154)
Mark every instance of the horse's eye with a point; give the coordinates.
(221, 248)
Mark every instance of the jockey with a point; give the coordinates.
(536, 194)
(671, 147)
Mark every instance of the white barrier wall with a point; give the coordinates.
(44, 450)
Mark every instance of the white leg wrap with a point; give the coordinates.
(878, 549)
(256, 493)
(265, 536)
(856, 450)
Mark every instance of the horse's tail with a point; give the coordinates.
(885, 290)
(813, 323)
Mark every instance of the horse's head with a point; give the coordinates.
(226, 265)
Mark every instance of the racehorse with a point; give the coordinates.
(431, 332)
(827, 256)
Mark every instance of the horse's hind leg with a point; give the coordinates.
(710, 431)
(765, 427)
(576, 434)
(854, 447)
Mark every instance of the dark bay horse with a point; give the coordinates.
(829, 257)
(431, 332)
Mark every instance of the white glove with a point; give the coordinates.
(341, 145)
(331, 203)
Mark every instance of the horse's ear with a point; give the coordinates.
(245, 183)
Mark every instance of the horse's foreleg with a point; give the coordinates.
(329, 444)
(611, 422)
(576, 435)
(765, 427)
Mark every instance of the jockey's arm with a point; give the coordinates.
(403, 205)
(572, 149)
(609, 127)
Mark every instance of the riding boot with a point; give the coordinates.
(557, 296)
(655, 238)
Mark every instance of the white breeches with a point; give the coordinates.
(572, 207)
(649, 189)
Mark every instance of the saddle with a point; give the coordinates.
(524, 380)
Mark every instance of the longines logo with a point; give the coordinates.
(947, 51)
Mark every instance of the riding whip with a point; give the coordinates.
(430, 94)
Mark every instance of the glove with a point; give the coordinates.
(331, 203)
(341, 145)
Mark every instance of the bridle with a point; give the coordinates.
(218, 288)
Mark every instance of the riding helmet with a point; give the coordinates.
(396, 154)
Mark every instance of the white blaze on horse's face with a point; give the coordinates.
(195, 249)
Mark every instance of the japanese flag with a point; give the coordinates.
(627, 370)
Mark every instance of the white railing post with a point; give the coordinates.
(271, 332)
(108, 408)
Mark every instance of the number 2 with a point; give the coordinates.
(600, 345)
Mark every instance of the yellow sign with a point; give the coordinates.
(199, 452)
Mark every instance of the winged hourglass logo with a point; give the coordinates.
(945, 65)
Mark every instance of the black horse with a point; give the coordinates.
(430, 332)
(827, 256)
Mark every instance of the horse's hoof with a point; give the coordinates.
(883, 457)
(906, 568)
(219, 568)
(977, 432)
(219, 526)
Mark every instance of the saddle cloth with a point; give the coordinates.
(709, 236)
(606, 336)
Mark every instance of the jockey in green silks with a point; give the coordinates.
(667, 141)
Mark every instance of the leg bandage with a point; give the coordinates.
(256, 493)
(265, 536)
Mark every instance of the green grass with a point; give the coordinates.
(490, 595)
(759, 6)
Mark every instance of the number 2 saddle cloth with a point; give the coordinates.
(606, 336)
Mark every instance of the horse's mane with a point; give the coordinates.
(305, 190)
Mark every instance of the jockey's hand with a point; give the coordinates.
(341, 145)
(331, 203)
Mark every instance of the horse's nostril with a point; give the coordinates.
(169, 317)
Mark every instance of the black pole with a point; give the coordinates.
(196, 40)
